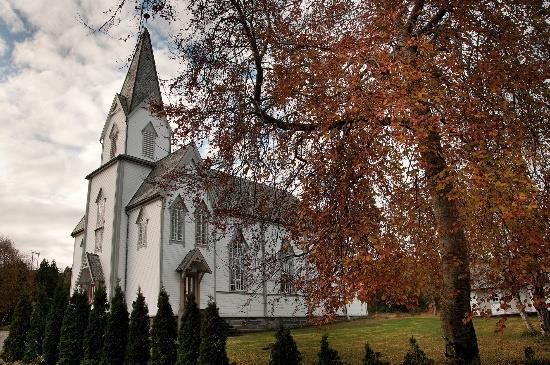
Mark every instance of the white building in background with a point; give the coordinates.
(140, 233)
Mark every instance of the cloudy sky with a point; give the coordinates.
(57, 82)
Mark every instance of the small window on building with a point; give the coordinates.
(100, 203)
(113, 136)
(236, 264)
(287, 269)
(142, 230)
(201, 225)
(496, 298)
(98, 240)
(149, 136)
(177, 220)
(83, 254)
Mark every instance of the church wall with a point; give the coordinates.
(77, 258)
(105, 180)
(118, 119)
(143, 263)
(137, 120)
(132, 176)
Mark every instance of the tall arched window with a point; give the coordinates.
(177, 220)
(236, 264)
(100, 221)
(113, 136)
(142, 230)
(149, 136)
(287, 269)
(201, 225)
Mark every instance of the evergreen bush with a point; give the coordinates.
(35, 336)
(530, 358)
(213, 338)
(284, 351)
(14, 346)
(189, 337)
(415, 356)
(328, 355)
(50, 345)
(74, 325)
(139, 342)
(372, 357)
(116, 331)
(95, 330)
(164, 333)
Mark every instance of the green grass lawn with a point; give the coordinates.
(389, 335)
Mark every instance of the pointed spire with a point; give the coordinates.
(142, 80)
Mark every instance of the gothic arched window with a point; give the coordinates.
(236, 263)
(201, 225)
(177, 220)
(149, 136)
(287, 268)
(142, 230)
(113, 136)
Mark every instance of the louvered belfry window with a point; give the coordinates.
(148, 144)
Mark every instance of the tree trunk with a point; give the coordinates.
(523, 314)
(539, 302)
(458, 331)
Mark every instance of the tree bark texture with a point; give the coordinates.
(459, 333)
(539, 302)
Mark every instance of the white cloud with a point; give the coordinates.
(53, 109)
(3, 47)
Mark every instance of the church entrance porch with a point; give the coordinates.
(191, 269)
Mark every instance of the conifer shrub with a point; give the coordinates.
(14, 346)
(415, 355)
(35, 336)
(213, 338)
(164, 333)
(139, 342)
(95, 330)
(74, 325)
(372, 357)
(116, 331)
(328, 355)
(284, 351)
(530, 358)
(50, 345)
(189, 337)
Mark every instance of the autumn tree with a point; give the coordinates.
(16, 278)
(377, 115)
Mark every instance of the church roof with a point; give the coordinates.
(194, 256)
(152, 185)
(141, 80)
(91, 272)
(95, 267)
(79, 227)
(233, 195)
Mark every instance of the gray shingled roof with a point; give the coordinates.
(95, 267)
(141, 80)
(79, 227)
(234, 196)
(194, 256)
(151, 186)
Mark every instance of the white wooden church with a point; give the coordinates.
(140, 234)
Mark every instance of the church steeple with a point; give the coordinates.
(141, 81)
